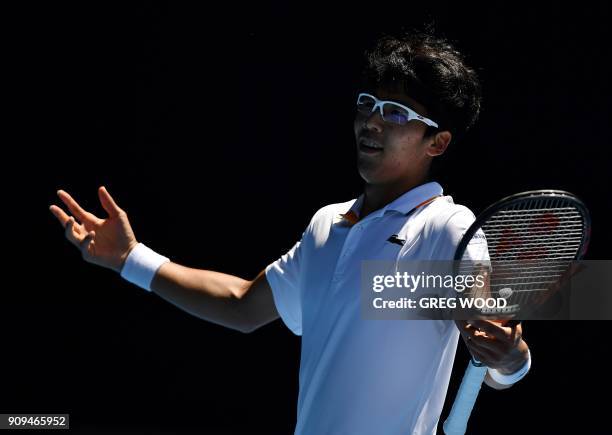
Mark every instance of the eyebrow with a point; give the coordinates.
(403, 103)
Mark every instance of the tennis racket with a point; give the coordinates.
(532, 239)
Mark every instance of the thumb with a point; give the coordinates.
(108, 202)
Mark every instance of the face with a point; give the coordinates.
(404, 152)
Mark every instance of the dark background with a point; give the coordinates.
(221, 131)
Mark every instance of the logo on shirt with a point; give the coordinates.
(395, 239)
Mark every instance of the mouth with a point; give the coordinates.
(368, 146)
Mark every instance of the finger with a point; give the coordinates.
(75, 208)
(477, 338)
(476, 346)
(475, 335)
(483, 343)
(69, 231)
(108, 202)
(60, 214)
(492, 328)
(87, 243)
(72, 232)
(506, 330)
(469, 329)
(466, 330)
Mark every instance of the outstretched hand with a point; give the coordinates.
(105, 242)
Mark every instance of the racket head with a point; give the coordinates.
(541, 230)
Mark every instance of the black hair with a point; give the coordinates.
(431, 72)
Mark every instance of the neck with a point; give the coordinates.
(377, 196)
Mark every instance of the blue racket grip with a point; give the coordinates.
(456, 423)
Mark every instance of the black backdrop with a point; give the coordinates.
(221, 131)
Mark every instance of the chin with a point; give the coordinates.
(369, 177)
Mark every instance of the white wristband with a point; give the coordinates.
(141, 265)
(514, 377)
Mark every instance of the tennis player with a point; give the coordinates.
(357, 376)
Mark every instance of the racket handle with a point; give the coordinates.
(456, 423)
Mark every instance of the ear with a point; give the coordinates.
(439, 144)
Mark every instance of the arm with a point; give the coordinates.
(217, 297)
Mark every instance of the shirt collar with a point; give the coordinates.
(405, 203)
(415, 197)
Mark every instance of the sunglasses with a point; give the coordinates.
(390, 111)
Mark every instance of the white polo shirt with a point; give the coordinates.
(362, 376)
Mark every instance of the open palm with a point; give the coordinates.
(105, 242)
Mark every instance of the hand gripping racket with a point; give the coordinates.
(533, 238)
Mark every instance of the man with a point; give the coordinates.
(357, 376)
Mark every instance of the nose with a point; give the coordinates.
(373, 121)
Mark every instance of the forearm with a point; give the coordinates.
(206, 294)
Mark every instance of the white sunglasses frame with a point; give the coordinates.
(411, 113)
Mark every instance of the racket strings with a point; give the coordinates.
(531, 244)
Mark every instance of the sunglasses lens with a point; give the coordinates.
(365, 104)
(391, 112)
(396, 114)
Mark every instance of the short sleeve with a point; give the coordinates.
(450, 229)
(283, 275)
(477, 249)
